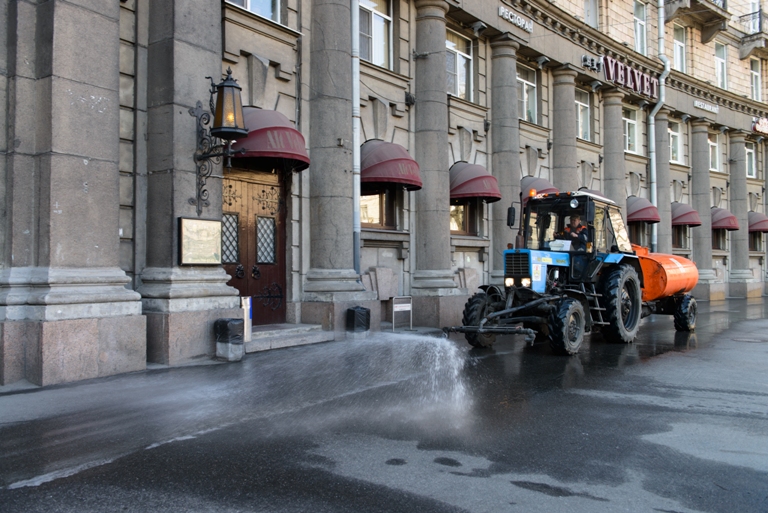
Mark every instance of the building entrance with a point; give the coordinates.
(253, 241)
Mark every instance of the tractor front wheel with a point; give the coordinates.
(685, 313)
(566, 327)
(476, 309)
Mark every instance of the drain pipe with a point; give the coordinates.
(652, 123)
(355, 7)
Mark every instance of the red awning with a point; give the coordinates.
(383, 163)
(684, 215)
(640, 210)
(540, 185)
(758, 222)
(473, 181)
(722, 219)
(272, 142)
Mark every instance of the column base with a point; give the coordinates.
(742, 283)
(708, 288)
(334, 285)
(435, 283)
(439, 311)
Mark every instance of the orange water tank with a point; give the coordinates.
(665, 275)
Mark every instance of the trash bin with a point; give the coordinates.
(358, 319)
(229, 339)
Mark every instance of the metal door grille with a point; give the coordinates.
(265, 240)
(230, 247)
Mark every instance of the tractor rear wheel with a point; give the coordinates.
(623, 304)
(685, 313)
(566, 327)
(476, 309)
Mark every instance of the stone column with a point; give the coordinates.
(564, 173)
(741, 282)
(331, 280)
(701, 200)
(505, 143)
(181, 303)
(663, 184)
(65, 314)
(614, 167)
(433, 278)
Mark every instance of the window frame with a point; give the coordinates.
(714, 151)
(680, 237)
(524, 99)
(679, 49)
(627, 122)
(720, 239)
(756, 79)
(638, 233)
(675, 143)
(582, 123)
(471, 225)
(470, 66)
(756, 241)
(750, 151)
(721, 66)
(278, 8)
(388, 197)
(641, 28)
(373, 35)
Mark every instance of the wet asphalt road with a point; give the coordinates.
(401, 423)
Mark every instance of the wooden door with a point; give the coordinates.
(253, 241)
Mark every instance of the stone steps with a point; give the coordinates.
(275, 336)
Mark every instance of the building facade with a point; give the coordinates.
(463, 107)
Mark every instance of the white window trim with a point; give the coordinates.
(716, 146)
(247, 7)
(374, 35)
(756, 80)
(626, 122)
(641, 27)
(749, 149)
(681, 46)
(579, 121)
(721, 67)
(678, 137)
(471, 65)
(535, 95)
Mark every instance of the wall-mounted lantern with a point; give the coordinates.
(216, 142)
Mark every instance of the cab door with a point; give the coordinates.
(253, 241)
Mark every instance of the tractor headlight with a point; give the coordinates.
(509, 282)
(525, 282)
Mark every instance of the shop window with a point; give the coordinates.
(749, 148)
(755, 72)
(680, 40)
(756, 241)
(675, 143)
(458, 61)
(721, 65)
(719, 239)
(638, 233)
(680, 237)
(268, 8)
(377, 210)
(714, 152)
(526, 94)
(640, 30)
(582, 115)
(464, 217)
(376, 32)
(630, 129)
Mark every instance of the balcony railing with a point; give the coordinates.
(720, 3)
(753, 23)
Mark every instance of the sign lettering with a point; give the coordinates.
(515, 19)
(631, 78)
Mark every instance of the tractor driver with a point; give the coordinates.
(575, 232)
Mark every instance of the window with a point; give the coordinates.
(638, 233)
(590, 13)
(721, 70)
(230, 245)
(756, 241)
(755, 72)
(375, 32)
(377, 210)
(680, 237)
(464, 217)
(267, 8)
(679, 57)
(751, 165)
(752, 23)
(526, 94)
(458, 57)
(582, 115)
(630, 129)
(675, 143)
(640, 27)
(719, 239)
(714, 152)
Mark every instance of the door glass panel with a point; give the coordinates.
(265, 240)
(230, 251)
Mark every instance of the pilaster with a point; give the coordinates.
(701, 200)
(564, 156)
(663, 184)
(615, 173)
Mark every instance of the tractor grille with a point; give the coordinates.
(516, 264)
